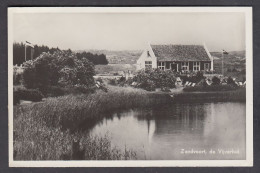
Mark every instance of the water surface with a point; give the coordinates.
(179, 131)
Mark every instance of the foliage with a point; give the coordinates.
(27, 94)
(215, 80)
(17, 78)
(94, 58)
(194, 78)
(112, 82)
(99, 80)
(230, 81)
(53, 91)
(237, 95)
(49, 130)
(62, 68)
(148, 85)
(41, 72)
(80, 72)
(243, 71)
(207, 88)
(19, 54)
(155, 78)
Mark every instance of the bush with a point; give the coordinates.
(83, 89)
(99, 80)
(184, 79)
(148, 85)
(17, 78)
(27, 94)
(53, 91)
(155, 78)
(210, 88)
(231, 95)
(243, 71)
(230, 81)
(62, 68)
(194, 78)
(112, 82)
(199, 76)
(215, 80)
(234, 70)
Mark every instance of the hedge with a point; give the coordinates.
(210, 88)
(27, 94)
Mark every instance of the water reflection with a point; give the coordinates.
(164, 132)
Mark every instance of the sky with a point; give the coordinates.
(130, 31)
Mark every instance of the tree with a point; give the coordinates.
(19, 52)
(41, 72)
(94, 58)
(62, 68)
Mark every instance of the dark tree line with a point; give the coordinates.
(94, 58)
(19, 54)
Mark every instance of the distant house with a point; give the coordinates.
(176, 57)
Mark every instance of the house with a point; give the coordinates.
(181, 58)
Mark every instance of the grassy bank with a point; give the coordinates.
(54, 129)
(238, 95)
(211, 88)
(50, 130)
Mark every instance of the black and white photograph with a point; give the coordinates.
(130, 86)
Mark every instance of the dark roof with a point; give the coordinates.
(180, 53)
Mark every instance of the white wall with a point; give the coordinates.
(211, 58)
(144, 57)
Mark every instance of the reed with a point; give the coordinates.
(50, 130)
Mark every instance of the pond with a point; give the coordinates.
(193, 131)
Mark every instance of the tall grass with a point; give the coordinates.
(50, 130)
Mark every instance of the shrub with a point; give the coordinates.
(184, 79)
(99, 80)
(62, 68)
(148, 85)
(202, 83)
(122, 81)
(155, 78)
(230, 81)
(234, 70)
(210, 88)
(215, 80)
(83, 89)
(17, 78)
(194, 78)
(55, 91)
(243, 71)
(231, 95)
(112, 82)
(199, 76)
(27, 94)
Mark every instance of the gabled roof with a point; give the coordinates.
(180, 52)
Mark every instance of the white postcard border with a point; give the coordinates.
(139, 163)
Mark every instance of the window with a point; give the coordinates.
(206, 66)
(196, 66)
(185, 66)
(148, 64)
(161, 65)
(148, 54)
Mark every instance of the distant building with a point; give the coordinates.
(176, 57)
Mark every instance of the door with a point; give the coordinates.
(174, 67)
